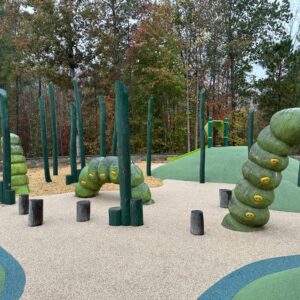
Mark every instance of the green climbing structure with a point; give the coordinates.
(248, 208)
(103, 170)
(19, 179)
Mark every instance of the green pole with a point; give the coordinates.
(44, 138)
(149, 135)
(73, 153)
(250, 129)
(123, 150)
(226, 132)
(299, 176)
(72, 147)
(202, 136)
(53, 129)
(7, 195)
(114, 141)
(79, 122)
(102, 109)
(210, 133)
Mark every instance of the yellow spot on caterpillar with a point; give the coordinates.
(258, 198)
(113, 173)
(249, 215)
(91, 175)
(83, 182)
(265, 180)
(274, 161)
(102, 176)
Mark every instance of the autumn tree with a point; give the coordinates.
(157, 70)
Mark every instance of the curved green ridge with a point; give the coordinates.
(277, 286)
(230, 285)
(223, 165)
(14, 281)
(2, 279)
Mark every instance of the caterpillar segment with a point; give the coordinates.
(268, 157)
(103, 170)
(19, 178)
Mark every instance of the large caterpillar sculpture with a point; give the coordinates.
(102, 170)
(248, 207)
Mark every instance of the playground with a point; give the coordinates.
(166, 239)
(157, 257)
(197, 226)
(150, 150)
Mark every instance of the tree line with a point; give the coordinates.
(166, 49)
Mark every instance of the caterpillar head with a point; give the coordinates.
(285, 125)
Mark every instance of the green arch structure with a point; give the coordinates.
(103, 170)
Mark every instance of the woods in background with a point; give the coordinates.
(167, 49)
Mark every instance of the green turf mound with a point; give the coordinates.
(224, 165)
(277, 286)
(2, 279)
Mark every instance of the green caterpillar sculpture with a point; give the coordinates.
(102, 170)
(19, 179)
(248, 207)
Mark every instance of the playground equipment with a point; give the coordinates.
(53, 128)
(19, 179)
(250, 129)
(149, 135)
(202, 136)
(53, 133)
(248, 207)
(44, 138)
(79, 122)
(102, 109)
(7, 195)
(130, 211)
(106, 169)
(73, 177)
(221, 126)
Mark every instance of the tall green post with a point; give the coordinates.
(123, 151)
(44, 138)
(250, 129)
(74, 172)
(79, 122)
(226, 132)
(102, 109)
(114, 138)
(53, 129)
(202, 136)
(7, 195)
(299, 176)
(210, 133)
(149, 135)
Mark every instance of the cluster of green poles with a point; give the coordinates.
(53, 133)
(130, 211)
(76, 129)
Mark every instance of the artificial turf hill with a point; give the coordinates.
(224, 165)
